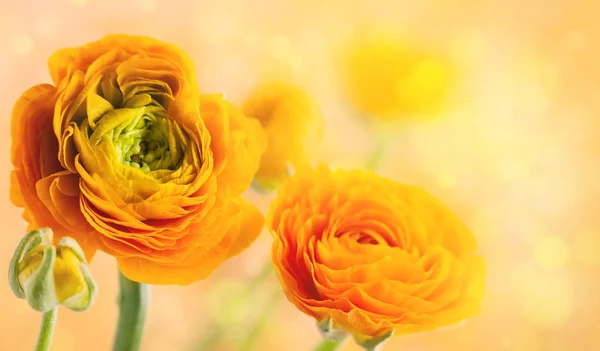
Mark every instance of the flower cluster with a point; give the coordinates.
(124, 154)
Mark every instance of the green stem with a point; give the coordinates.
(133, 304)
(211, 339)
(46, 330)
(377, 154)
(261, 323)
(265, 272)
(330, 345)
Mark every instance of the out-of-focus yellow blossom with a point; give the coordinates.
(46, 275)
(293, 124)
(388, 77)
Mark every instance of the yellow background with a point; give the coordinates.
(516, 156)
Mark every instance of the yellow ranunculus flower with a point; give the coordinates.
(294, 127)
(124, 154)
(371, 255)
(388, 77)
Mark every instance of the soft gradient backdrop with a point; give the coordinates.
(515, 155)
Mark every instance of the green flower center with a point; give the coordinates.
(145, 141)
(135, 121)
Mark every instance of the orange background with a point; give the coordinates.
(516, 156)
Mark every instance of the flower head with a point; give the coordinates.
(387, 77)
(46, 275)
(372, 255)
(125, 154)
(293, 124)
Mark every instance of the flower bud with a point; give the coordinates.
(47, 275)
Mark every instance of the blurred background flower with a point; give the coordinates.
(388, 76)
(293, 124)
(514, 153)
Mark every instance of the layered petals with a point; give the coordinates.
(143, 164)
(39, 184)
(373, 255)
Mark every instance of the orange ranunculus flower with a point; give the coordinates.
(373, 255)
(294, 127)
(125, 155)
(388, 77)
